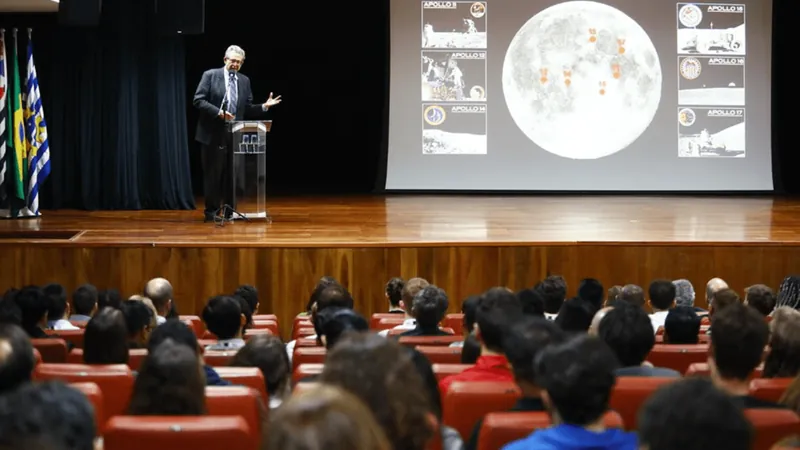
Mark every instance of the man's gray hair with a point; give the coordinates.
(234, 49)
(684, 293)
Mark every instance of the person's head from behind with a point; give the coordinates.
(576, 315)
(331, 324)
(325, 418)
(105, 340)
(789, 292)
(109, 298)
(783, 357)
(394, 292)
(524, 342)
(722, 299)
(613, 295)
(268, 353)
(33, 304)
(159, 290)
(410, 290)
(662, 295)
(738, 337)
(10, 312)
(84, 300)
(59, 303)
(592, 291)
(498, 310)
(381, 373)
(138, 320)
(760, 297)
(632, 294)
(250, 295)
(17, 360)
(691, 414)
(429, 381)
(334, 296)
(176, 331)
(247, 312)
(223, 317)
(47, 415)
(318, 288)
(171, 382)
(554, 290)
(713, 286)
(684, 293)
(628, 332)
(532, 302)
(469, 308)
(576, 378)
(429, 308)
(682, 326)
(594, 328)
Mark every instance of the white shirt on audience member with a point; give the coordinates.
(62, 324)
(226, 344)
(408, 324)
(658, 319)
(292, 344)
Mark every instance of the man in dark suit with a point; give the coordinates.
(223, 95)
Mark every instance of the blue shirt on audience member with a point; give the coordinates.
(573, 437)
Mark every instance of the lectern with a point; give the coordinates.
(249, 165)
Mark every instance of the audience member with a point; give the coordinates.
(58, 311)
(109, 298)
(713, 286)
(247, 312)
(682, 326)
(468, 308)
(592, 291)
(632, 294)
(761, 298)
(224, 318)
(179, 332)
(594, 327)
(685, 294)
(739, 335)
(428, 309)
(576, 315)
(554, 290)
(470, 350)
(33, 304)
(171, 382)
(84, 303)
(331, 324)
(387, 381)
(532, 302)
(106, 338)
(326, 418)
(10, 312)
(451, 439)
(159, 290)
(312, 300)
(250, 295)
(410, 290)
(498, 310)
(783, 357)
(329, 296)
(576, 378)
(522, 345)
(268, 354)
(789, 293)
(48, 415)
(662, 299)
(613, 295)
(691, 414)
(17, 360)
(139, 322)
(628, 332)
(394, 295)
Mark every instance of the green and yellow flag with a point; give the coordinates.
(17, 143)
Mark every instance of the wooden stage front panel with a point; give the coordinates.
(463, 244)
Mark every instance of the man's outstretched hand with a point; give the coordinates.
(272, 101)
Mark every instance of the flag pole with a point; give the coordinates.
(30, 32)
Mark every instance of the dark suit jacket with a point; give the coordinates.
(208, 98)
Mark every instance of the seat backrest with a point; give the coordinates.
(218, 358)
(467, 402)
(238, 401)
(501, 428)
(258, 332)
(306, 370)
(376, 318)
(251, 377)
(195, 323)
(265, 317)
(399, 331)
(677, 357)
(177, 433)
(772, 426)
(271, 325)
(388, 323)
(74, 337)
(630, 393)
(95, 395)
(454, 321)
(114, 380)
(308, 355)
(135, 357)
(702, 370)
(303, 332)
(413, 341)
(306, 342)
(769, 389)
(441, 354)
(443, 371)
(52, 350)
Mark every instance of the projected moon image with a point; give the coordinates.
(582, 80)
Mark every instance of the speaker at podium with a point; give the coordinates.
(249, 139)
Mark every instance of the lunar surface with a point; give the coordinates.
(712, 96)
(440, 39)
(582, 80)
(729, 142)
(438, 142)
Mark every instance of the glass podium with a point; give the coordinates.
(249, 141)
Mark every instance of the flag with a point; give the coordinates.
(38, 152)
(17, 146)
(3, 114)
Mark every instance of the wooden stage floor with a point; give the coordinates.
(464, 244)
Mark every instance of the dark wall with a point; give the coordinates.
(330, 67)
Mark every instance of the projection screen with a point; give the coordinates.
(625, 95)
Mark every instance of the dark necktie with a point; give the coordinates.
(233, 93)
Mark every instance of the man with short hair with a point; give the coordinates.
(713, 286)
(180, 333)
(554, 290)
(223, 95)
(682, 326)
(250, 295)
(577, 378)
(331, 296)
(428, 308)
(662, 299)
(632, 294)
(159, 291)
(410, 290)
(224, 318)
(84, 303)
(761, 298)
(17, 360)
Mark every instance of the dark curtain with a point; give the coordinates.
(784, 157)
(117, 114)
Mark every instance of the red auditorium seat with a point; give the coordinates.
(217, 358)
(454, 321)
(135, 357)
(389, 323)
(114, 380)
(414, 341)
(95, 395)
(246, 376)
(177, 433)
(501, 428)
(271, 325)
(400, 331)
(467, 402)
(677, 357)
(772, 426)
(195, 323)
(441, 354)
(304, 332)
(306, 342)
(308, 355)
(769, 389)
(51, 350)
(74, 337)
(306, 370)
(375, 319)
(443, 371)
(238, 401)
(631, 392)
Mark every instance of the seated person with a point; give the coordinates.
(628, 331)
(84, 303)
(428, 309)
(575, 315)
(34, 305)
(326, 295)
(179, 332)
(224, 318)
(576, 378)
(17, 360)
(498, 310)
(394, 295)
(106, 338)
(58, 313)
(451, 439)
(554, 291)
(783, 359)
(410, 290)
(662, 295)
(739, 335)
(468, 308)
(470, 350)
(268, 354)
(682, 326)
(524, 343)
(250, 295)
(139, 322)
(532, 302)
(761, 298)
(333, 323)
